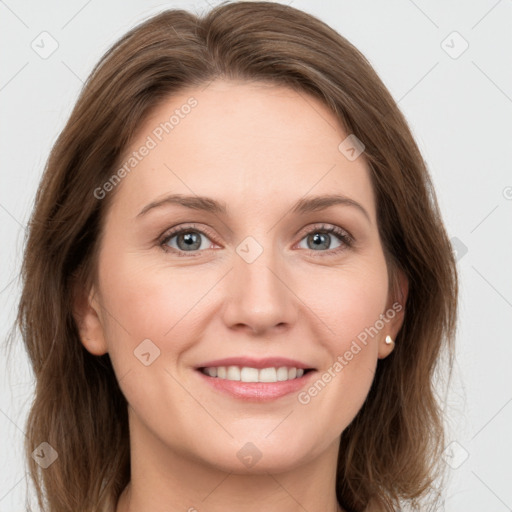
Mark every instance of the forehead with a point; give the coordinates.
(245, 143)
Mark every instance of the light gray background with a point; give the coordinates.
(460, 111)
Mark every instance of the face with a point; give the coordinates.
(260, 270)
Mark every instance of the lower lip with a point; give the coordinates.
(257, 391)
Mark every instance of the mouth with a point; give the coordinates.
(270, 374)
(256, 380)
(259, 385)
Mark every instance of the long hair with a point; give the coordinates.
(390, 453)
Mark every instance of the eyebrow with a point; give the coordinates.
(207, 204)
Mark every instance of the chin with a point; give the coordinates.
(258, 457)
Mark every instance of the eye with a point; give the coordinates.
(185, 239)
(320, 238)
(190, 241)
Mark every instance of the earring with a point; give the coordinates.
(389, 340)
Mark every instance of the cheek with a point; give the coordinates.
(148, 300)
(349, 299)
(156, 303)
(146, 303)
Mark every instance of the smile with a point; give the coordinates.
(248, 374)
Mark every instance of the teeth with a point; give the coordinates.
(247, 374)
(212, 372)
(282, 373)
(268, 375)
(233, 373)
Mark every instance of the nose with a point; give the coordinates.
(259, 294)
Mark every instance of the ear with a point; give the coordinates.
(87, 315)
(395, 312)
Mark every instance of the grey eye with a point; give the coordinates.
(186, 240)
(318, 240)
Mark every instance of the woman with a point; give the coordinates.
(237, 282)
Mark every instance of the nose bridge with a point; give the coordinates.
(260, 299)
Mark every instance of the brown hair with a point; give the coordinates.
(390, 452)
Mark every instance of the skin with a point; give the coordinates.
(259, 148)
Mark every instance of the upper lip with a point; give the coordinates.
(266, 362)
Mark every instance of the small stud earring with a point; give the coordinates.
(389, 340)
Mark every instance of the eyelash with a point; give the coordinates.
(346, 239)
